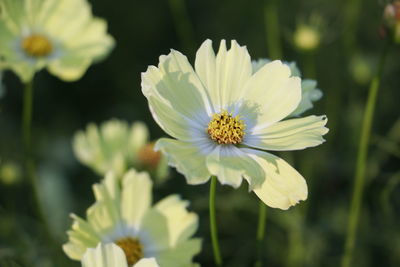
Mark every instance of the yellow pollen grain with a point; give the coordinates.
(132, 248)
(37, 45)
(226, 129)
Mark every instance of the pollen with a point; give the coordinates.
(226, 129)
(148, 157)
(37, 45)
(132, 248)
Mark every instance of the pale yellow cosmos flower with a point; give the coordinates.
(110, 255)
(60, 35)
(224, 118)
(123, 215)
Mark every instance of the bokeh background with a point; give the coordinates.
(309, 234)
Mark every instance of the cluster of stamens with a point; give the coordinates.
(132, 248)
(37, 45)
(148, 157)
(226, 129)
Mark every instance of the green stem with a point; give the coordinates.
(29, 162)
(213, 223)
(262, 218)
(272, 29)
(359, 176)
(183, 25)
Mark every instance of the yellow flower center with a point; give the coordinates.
(148, 157)
(225, 129)
(132, 248)
(37, 45)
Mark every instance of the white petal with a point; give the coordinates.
(181, 223)
(105, 255)
(283, 186)
(174, 89)
(230, 165)
(136, 197)
(225, 75)
(154, 232)
(271, 94)
(189, 159)
(148, 262)
(293, 134)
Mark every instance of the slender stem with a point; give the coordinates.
(359, 176)
(30, 169)
(262, 218)
(213, 223)
(183, 25)
(272, 29)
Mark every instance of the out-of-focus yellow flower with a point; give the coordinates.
(123, 215)
(309, 91)
(223, 117)
(118, 146)
(10, 173)
(60, 35)
(110, 255)
(306, 37)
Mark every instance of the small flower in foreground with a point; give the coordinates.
(123, 215)
(309, 91)
(118, 146)
(223, 117)
(60, 35)
(110, 255)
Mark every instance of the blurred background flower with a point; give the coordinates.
(61, 35)
(118, 146)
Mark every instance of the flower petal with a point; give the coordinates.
(181, 255)
(105, 255)
(174, 88)
(230, 165)
(69, 68)
(271, 94)
(189, 159)
(283, 186)
(181, 223)
(136, 197)
(293, 134)
(224, 75)
(148, 262)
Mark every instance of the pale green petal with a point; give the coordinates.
(154, 232)
(224, 75)
(205, 66)
(256, 65)
(149, 262)
(271, 94)
(182, 255)
(82, 236)
(181, 223)
(69, 68)
(230, 165)
(293, 134)
(283, 186)
(136, 197)
(188, 159)
(105, 255)
(12, 14)
(138, 137)
(310, 94)
(176, 84)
